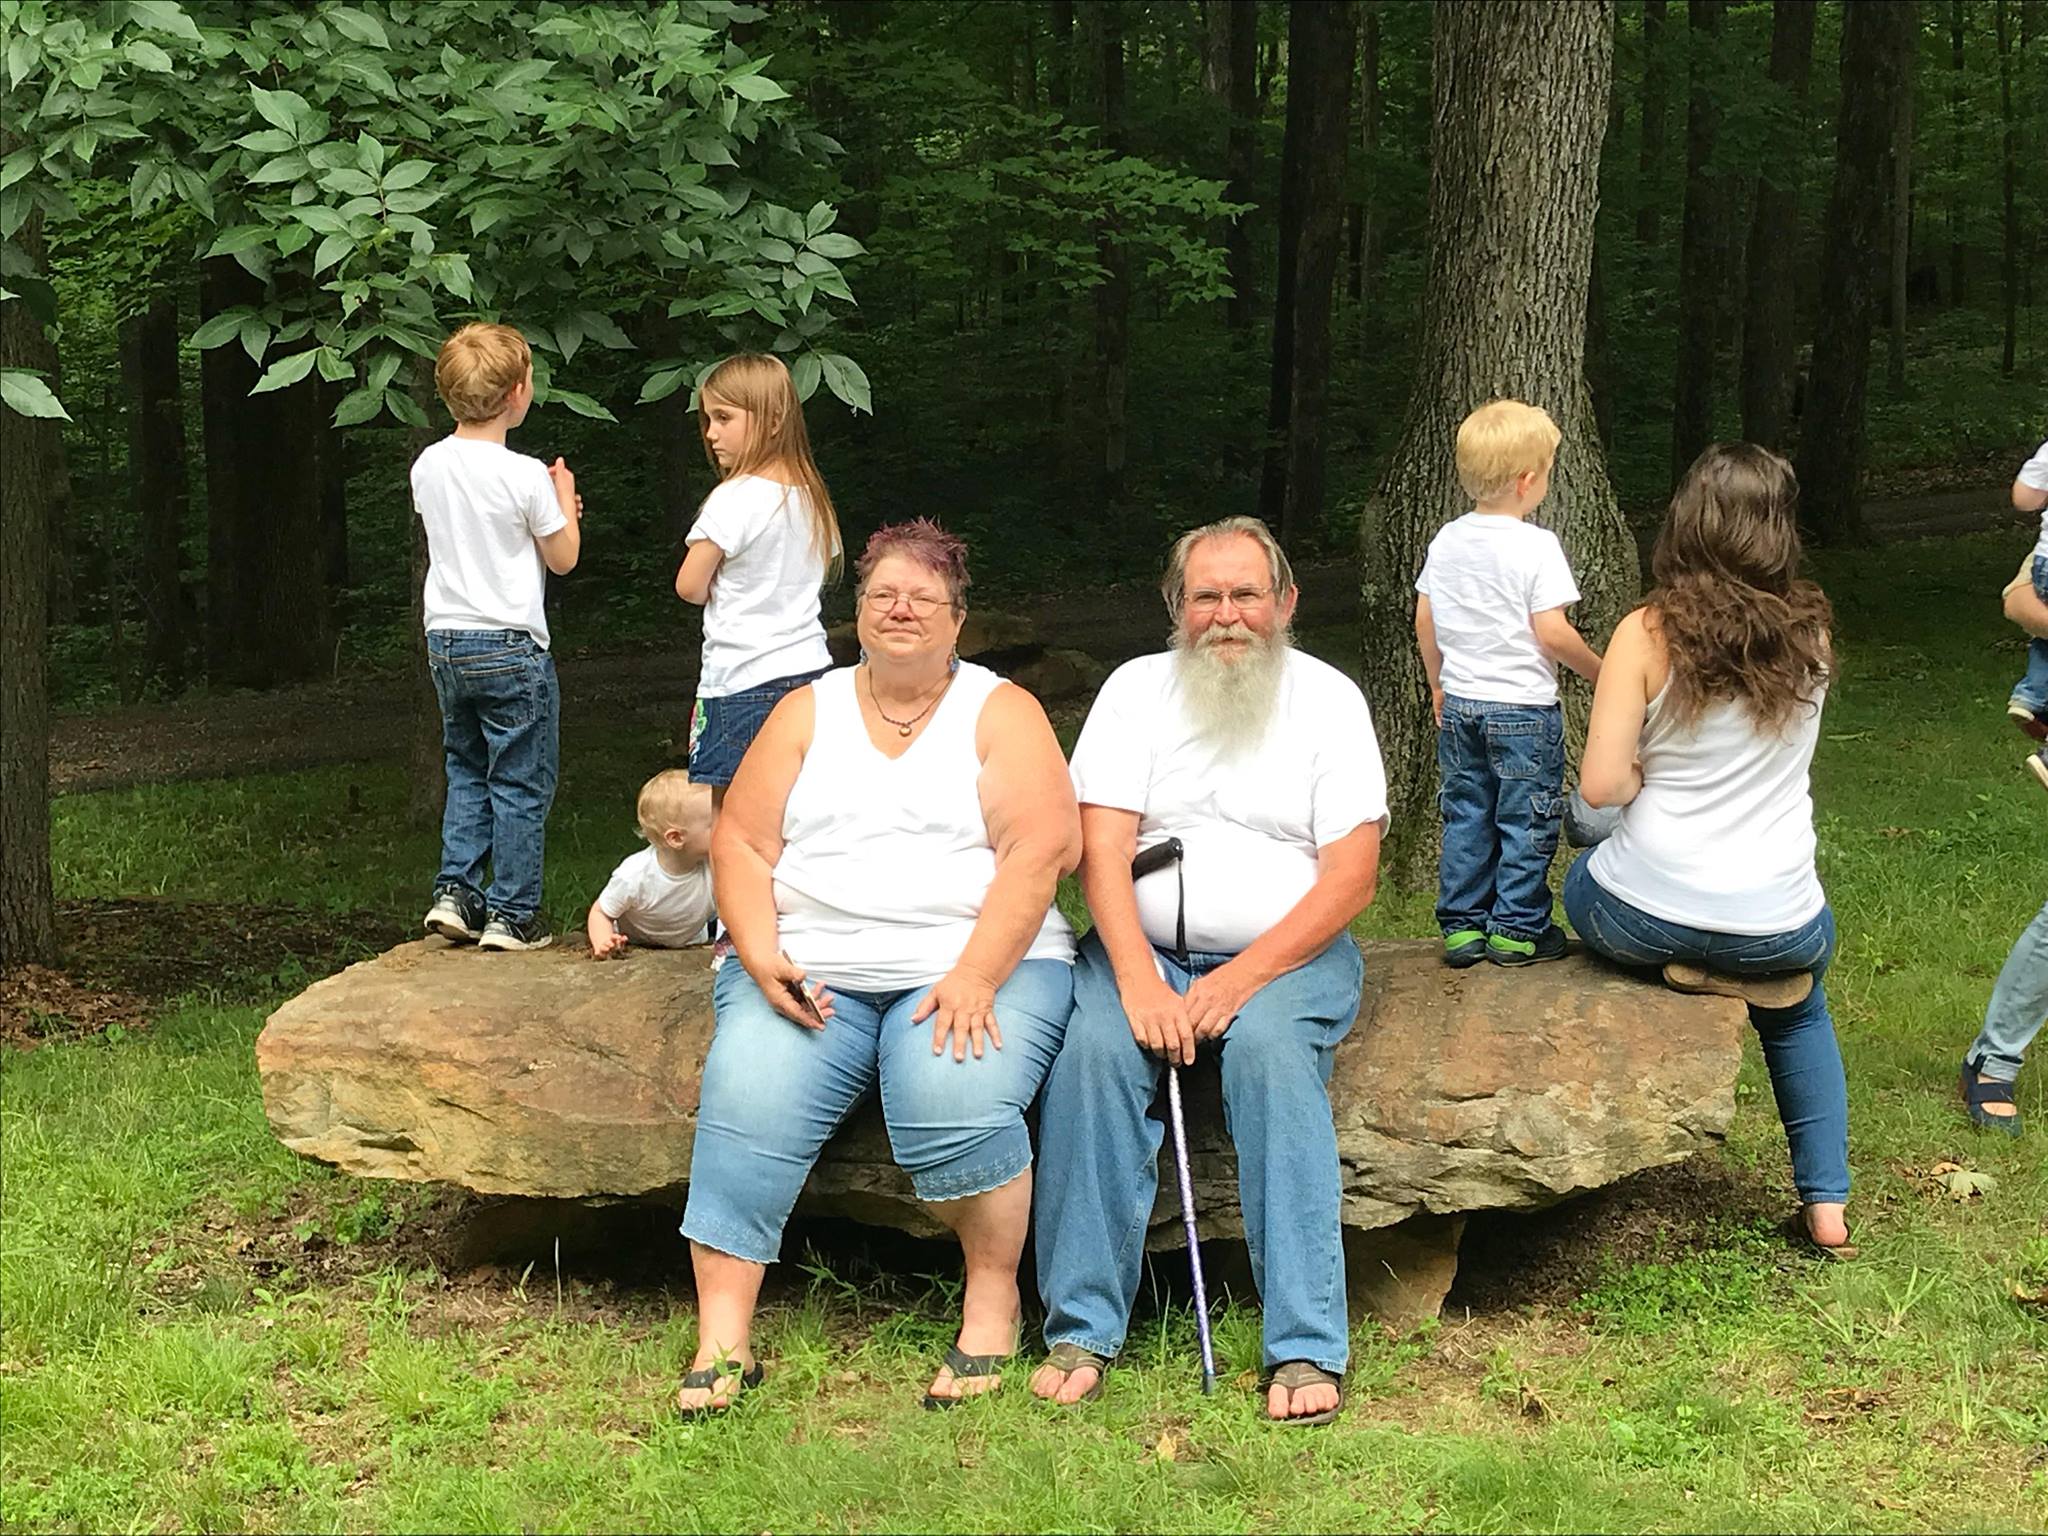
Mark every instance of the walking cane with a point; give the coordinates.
(1149, 860)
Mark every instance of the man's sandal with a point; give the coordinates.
(966, 1367)
(1069, 1358)
(709, 1376)
(1295, 1375)
(1782, 989)
(1977, 1094)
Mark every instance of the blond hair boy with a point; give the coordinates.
(497, 522)
(1490, 620)
(661, 895)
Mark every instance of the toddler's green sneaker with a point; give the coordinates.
(1465, 947)
(1502, 950)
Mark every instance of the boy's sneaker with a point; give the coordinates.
(2039, 763)
(1549, 945)
(1465, 947)
(2024, 716)
(456, 915)
(501, 932)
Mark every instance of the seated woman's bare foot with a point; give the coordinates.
(1316, 1397)
(1067, 1387)
(721, 1393)
(977, 1338)
(1826, 1225)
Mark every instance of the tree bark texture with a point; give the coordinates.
(1512, 197)
(1958, 204)
(1240, 160)
(332, 449)
(1769, 344)
(1321, 52)
(1877, 46)
(1113, 295)
(2009, 264)
(1702, 250)
(1656, 97)
(426, 771)
(1059, 63)
(1365, 230)
(157, 482)
(1901, 234)
(28, 932)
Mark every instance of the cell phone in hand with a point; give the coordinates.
(804, 1000)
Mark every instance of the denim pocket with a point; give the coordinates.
(1618, 940)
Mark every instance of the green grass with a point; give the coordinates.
(152, 1378)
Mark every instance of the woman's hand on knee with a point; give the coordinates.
(962, 1008)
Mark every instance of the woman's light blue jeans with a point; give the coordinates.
(774, 1092)
(1098, 1161)
(1799, 1044)
(2019, 1005)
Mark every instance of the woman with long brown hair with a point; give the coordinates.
(1703, 729)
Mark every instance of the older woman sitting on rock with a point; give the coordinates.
(885, 863)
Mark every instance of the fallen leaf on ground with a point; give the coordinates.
(1167, 1448)
(1963, 1183)
(1533, 1406)
(2033, 1298)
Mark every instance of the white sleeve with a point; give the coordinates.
(730, 518)
(2034, 473)
(1112, 763)
(1422, 581)
(619, 893)
(1349, 782)
(542, 511)
(1551, 584)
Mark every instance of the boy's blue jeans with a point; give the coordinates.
(1798, 1042)
(500, 720)
(1500, 776)
(774, 1092)
(2019, 1005)
(2032, 689)
(1098, 1155)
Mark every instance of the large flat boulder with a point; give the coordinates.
(549, 1075)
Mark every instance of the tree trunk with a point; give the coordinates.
(2009, 266)
(1240, 159)
(332, 451)
(1901, 234)
(28, 933)
(157, 483)
(1702, 250)
(60, 509)
(1368, 144)
(1113, 296)
(1656, 96)
(1877, 47)
(1059, 64)
(426, 773)
(1958, 204)
(1512, 197)
(1321, 52)
(1768, 342)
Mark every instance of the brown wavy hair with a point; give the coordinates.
(1736, 618)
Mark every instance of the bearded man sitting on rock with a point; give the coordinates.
(1262, 761)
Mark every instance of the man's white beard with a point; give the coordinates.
(1230, 698)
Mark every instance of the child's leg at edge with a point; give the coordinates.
(466, 813)
(1465, 799)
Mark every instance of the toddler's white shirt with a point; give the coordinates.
(484, 506)
(1486, 574)
(656, 907)
(762, 621)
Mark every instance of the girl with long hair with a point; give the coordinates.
(1703, 730)
(764, 542)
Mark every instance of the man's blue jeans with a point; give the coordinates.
(2019, 1005)
(1098, 1155)
(774, 1092)
(500, 721)
(1798, 1042)
(1500, 777)
(2032, 689)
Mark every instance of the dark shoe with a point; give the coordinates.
(708, 1376)
(501, 932)
(1549, 945)
(1977, 1094)
(1775, 989)
(1465, 947)
(966, 1367)
(456, 915)
(1295, 1375)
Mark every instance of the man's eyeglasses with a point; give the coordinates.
(883, 599)
(1244, 599)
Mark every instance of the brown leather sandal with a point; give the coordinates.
(1294, 1375)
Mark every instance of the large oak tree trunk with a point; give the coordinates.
(1230, 73)
(1656, 98)
(27, 467)
(1702, 251)
(157, 482)
(1321, 51)
(1512, 197)
(1877, 49)
(1769, 345)
(1901, 236)
(1113, 295)
(2009, 265)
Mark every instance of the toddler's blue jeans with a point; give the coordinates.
(1500, 782)
(500, 719)
(2032, 689)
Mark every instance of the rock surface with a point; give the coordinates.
(549, 1075)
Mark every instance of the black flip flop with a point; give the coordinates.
(966, 1367)
(1976, 1095)
(708, 1376)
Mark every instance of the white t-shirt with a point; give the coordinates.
(1249, 822)
(2034, 473)
(1485, 575)
(654, 906)
(484, 506)
(762, 620)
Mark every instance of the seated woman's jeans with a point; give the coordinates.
(774, 1092)
(1798, 1042)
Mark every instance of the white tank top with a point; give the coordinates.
(1721, 835)
(886, 862)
